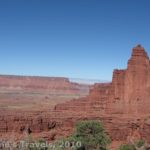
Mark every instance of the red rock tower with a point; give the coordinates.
(130, 90)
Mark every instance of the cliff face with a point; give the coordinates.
(131, 87)
(95, 102)
(43, 84)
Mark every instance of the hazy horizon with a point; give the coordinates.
(76, 80)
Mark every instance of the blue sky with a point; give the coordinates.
(71, 38)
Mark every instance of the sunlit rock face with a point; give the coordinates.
(130, 88)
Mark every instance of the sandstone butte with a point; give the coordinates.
(123, 105)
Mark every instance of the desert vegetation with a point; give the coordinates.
(138, 145)
(88, 135)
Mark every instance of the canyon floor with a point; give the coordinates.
(14, 100)
(25, 101)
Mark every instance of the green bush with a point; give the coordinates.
(135, 146)
(140, 143)
(91, 135)
(127, 147)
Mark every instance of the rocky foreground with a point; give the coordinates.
(27, 102)
(123, 105)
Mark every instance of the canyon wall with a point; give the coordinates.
(131, 87)
(45, 84)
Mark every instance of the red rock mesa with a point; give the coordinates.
(45, 84)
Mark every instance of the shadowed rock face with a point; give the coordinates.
(123, 105)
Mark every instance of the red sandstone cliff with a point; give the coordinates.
(44, 84)
(130, 90)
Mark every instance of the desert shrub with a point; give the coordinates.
(89, 135)
(140, 143)
(127, 147)
(92, 135)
